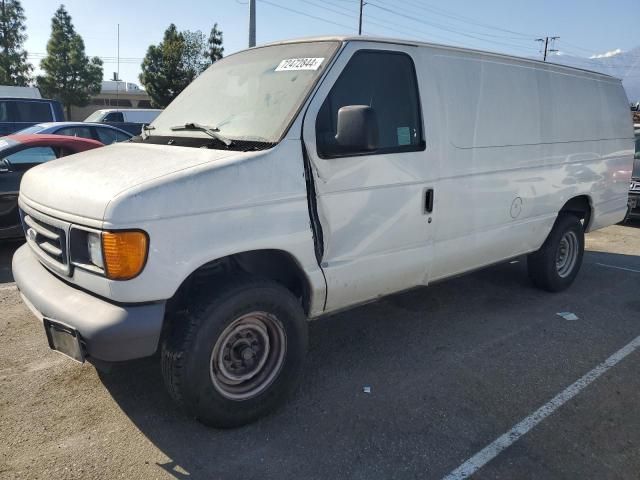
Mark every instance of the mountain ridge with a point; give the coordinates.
(620, 64)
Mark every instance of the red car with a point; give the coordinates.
(18, 153)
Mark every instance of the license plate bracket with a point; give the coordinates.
(64, 339)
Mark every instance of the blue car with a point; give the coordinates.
(105, 134)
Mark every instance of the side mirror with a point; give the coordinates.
(357, 129)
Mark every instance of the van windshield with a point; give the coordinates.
(249, 96)
(95, 116)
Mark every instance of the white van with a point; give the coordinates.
(132, 115)
(12, 91)
(305, 177)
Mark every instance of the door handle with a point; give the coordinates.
(428, 200)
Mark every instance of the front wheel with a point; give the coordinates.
(555, 266)
(238, 352)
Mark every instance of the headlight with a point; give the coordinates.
(94, 248)
(124, 253)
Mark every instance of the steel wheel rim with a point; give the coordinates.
(248, 356)
(567, 254)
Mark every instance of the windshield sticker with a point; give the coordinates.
(290, 64)
(404, 135)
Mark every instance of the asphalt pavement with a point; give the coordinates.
(450, 369)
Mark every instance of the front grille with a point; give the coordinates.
(635, 173)
(48, 239)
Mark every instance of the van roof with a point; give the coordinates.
(417, 43)
(28, 99)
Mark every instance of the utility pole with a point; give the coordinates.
(362, 4)
(5, 58)
(252, 23)
(546, 41)
(118, 69)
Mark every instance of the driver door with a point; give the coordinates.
(12, 168)
(374, 206)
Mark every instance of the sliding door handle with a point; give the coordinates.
(428, 200)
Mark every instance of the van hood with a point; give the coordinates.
(83, 185)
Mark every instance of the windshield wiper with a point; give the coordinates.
(211, 131)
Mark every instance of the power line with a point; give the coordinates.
(385, 25)
(462, 18)
(402, 29)
(440, 27)
(305, 14)
(429, 35)
(351, 14)
(40, 56)
(458, 28)
(577, 46)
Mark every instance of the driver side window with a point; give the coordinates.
(386, 82)
(114, 117)
(32, 155)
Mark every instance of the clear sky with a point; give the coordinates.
(585, 27)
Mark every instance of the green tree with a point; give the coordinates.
(69, 75)
(174, 63)
(216, 50)
(195, 58)
(14, 68)
(163, 74)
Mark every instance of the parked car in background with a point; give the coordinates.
(19, 153)
(11, 91)
(130, 119)
(105, 134)
(19, 113)
(634, 189)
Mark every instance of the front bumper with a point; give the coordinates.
(108, 332)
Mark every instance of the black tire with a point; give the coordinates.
(195, 375)
(544, 268)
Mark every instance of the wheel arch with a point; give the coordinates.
(582, 207)
(274, 264)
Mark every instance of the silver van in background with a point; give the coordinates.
(130, 119)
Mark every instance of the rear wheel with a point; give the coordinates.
(237, 354)
(555, 266)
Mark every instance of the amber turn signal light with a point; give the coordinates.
(125, 253)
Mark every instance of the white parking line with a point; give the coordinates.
(619, 268)
(492, 450)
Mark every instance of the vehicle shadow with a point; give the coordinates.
(634, 223)
(7, 249)
(330, 428)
